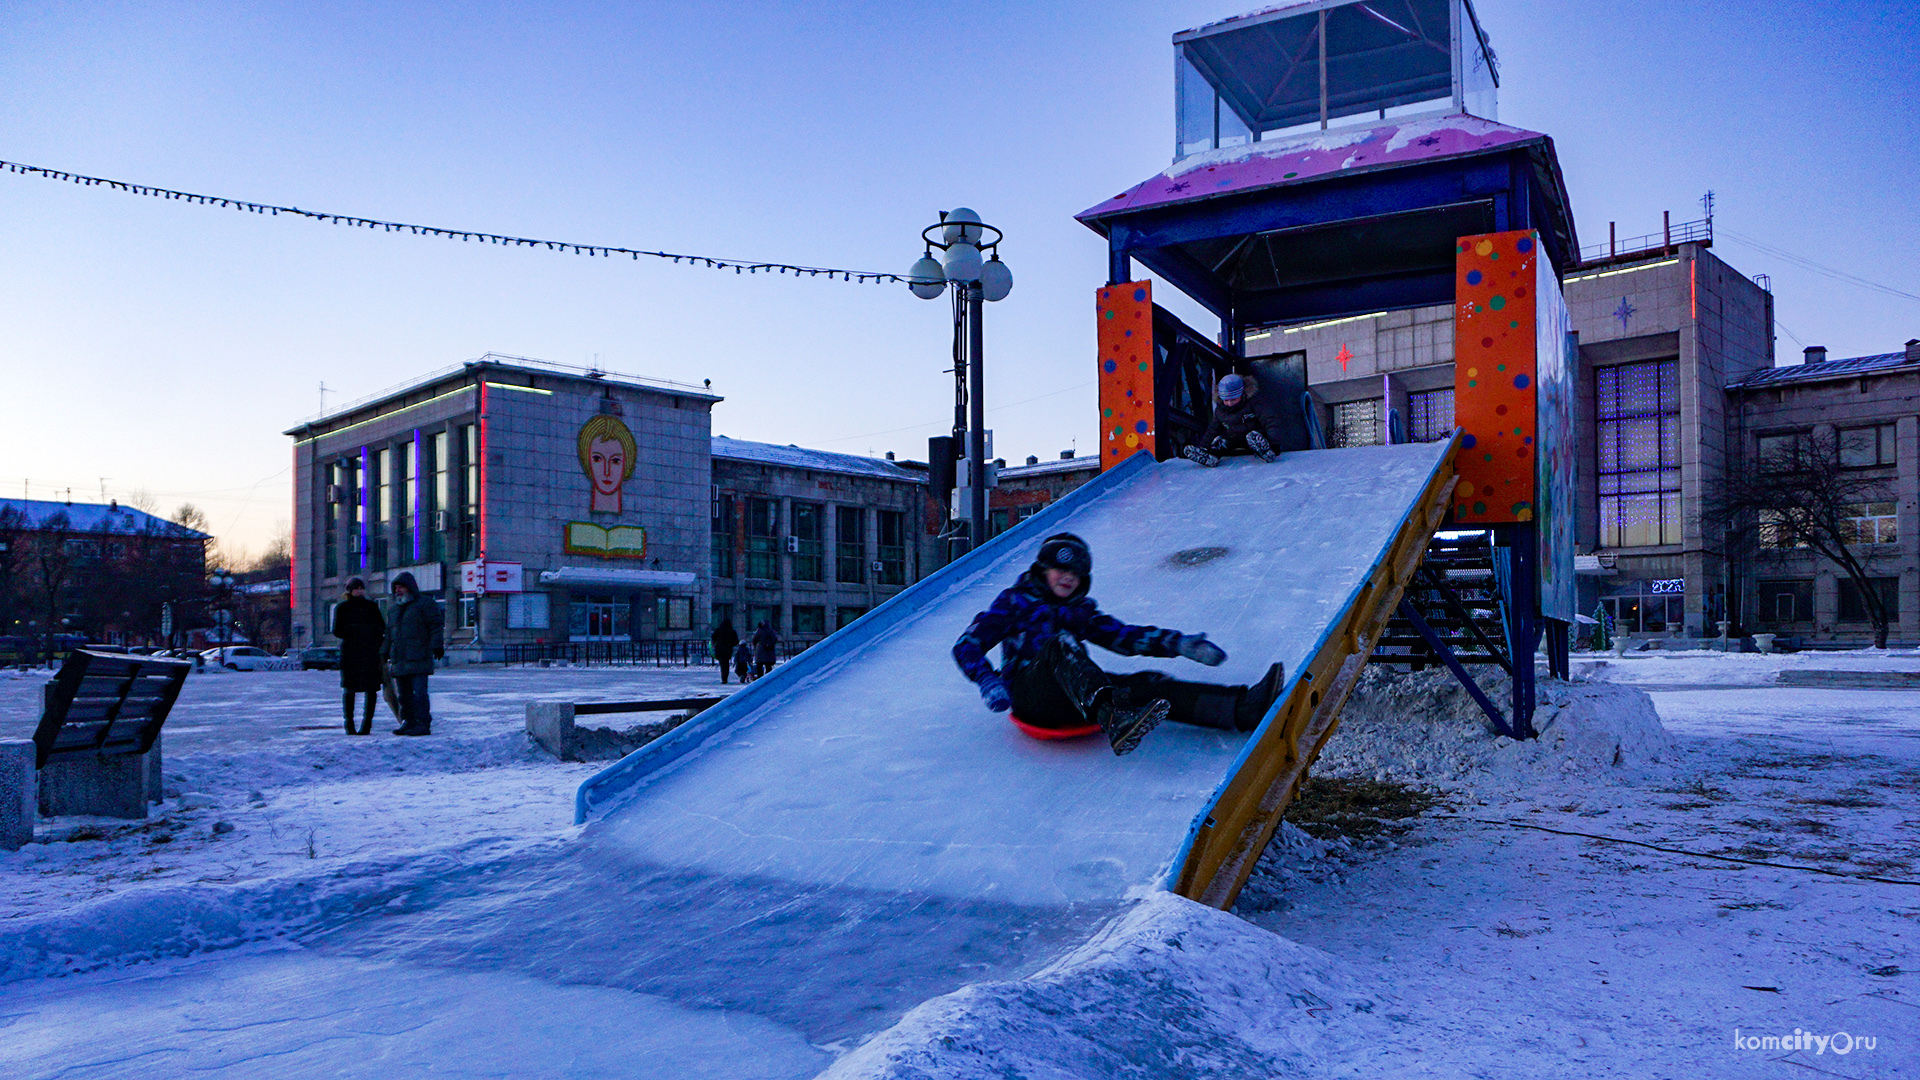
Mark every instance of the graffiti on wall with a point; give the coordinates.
(607, 452)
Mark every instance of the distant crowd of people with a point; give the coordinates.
(748, 659)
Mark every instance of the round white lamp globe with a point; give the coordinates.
(958, 230)
(927, 278)
(996, 281)
(963, 263)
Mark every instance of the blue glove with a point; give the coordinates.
(993, 691)
(1197, 647)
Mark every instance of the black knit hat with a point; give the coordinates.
(356, 583)
(1065, 551)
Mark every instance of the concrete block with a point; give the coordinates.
(154, 781)
(17, 797)
(107, 785)
(551, 725)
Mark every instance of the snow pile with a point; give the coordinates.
(1170, 989)
(1423, 727)
(273, 766)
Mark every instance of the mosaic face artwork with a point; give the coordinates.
(1125, 314)
(1495, 377)
(607, 454)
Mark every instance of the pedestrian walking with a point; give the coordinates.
(743, 662)
(361, 628)
(764, 643)
(725, 638)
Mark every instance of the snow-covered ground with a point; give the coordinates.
(1474, 943)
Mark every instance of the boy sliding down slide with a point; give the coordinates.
(1055, 690)
(1236, 423)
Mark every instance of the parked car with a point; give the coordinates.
(241, 658)
(320, 658)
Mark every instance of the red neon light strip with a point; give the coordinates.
(293, 541)
(1693, 289)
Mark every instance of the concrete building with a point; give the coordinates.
(808, 540)
(1865, 407)
(582, 497)
(96, 572)
(1663, 333)
(1025, 489)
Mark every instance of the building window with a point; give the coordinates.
(527, 611)
(1870, 523)
(809, 620)
(1786, 601)
(758, 614)
(843, 616)
(763, 539)
(470, 493)
(599, 618)
(893, 547)
(356, 513)
(1000, 521)
(809, 533)
(721, 544)
(407, 480)
(1853, 605)
(1356, 423)
(469, 612)
(1866, 447)
(720, 613)
(336, 490)
(1430, 415)
(1646, 612)
(1777, 532)
(850, 546)
(673, 613)
(440, 514)
(1637, 414)
(1782, 452)
(381, 482)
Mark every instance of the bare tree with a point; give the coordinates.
(47, 562)
(1799, 495)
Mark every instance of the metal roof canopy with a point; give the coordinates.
(1349, 238)
(1311, 63)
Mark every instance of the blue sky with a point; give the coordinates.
(165, 347)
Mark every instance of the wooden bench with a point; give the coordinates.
(97, 747)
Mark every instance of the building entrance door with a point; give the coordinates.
(599, 618)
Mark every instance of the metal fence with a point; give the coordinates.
(631, 653)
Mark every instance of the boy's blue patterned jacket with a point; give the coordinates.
(1022, 619)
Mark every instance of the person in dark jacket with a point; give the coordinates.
(1043, 625)
(764, 641)
(725, 638)
(1236, 423)
(412, 645)
(743, 662)
(361, 628)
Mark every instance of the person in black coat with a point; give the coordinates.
(358, 624)
(725, 638)
(1237, 422)
(764, 641)
(412, 645)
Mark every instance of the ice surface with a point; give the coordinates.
(886, 773)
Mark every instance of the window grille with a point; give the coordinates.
(1637, 414)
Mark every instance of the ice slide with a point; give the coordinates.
(850, 836)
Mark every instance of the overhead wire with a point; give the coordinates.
(355, 221)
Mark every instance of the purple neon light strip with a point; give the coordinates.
(417, 500)
(366, 526)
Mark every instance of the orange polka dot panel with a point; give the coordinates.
(1125, 314)
(1494, 371)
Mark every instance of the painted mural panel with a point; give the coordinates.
(1495, 341)
(1555, 351)
(1125, 314)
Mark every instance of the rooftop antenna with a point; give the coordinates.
(1706, 203)
(323, 396)
(103, 487)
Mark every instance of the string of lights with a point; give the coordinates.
(738, 266)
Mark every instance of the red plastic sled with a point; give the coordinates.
(1049, 734)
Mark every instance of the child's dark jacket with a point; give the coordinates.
(1022, 619)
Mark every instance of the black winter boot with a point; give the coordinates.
(346, 708)
(1199, 456)
(366, 717)
(1258, 443)
(1127, 725)
(1259, 698)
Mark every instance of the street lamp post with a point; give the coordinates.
(961, 236)
(222, 580)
